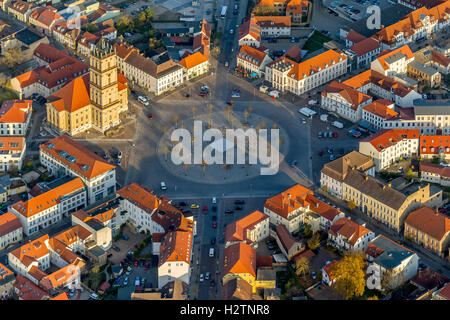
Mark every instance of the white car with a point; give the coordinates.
(119, 155)
(214, 200)
(202, 278)
(207, 275)
(231, 31)
(163, 185)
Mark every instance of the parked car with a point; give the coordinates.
(125, 238)
(163, 186)
(194, 206)
(214, 218)
(229, 211)
(207, 275)
(214, 224)
(182, 203)
(239, 202)
(319, 134)
(214, 208)
(238, 208)
(213, 241)
(116, 248)
(205, 209)
(125, 281)
(202, 277)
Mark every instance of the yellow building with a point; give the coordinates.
(94, 101)
(429, 228)
(385, 203)
(239, 261)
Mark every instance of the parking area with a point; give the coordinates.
(125, 245)
(353, 9)
(151, 281)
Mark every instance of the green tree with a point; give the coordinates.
(90, 27)
(125, 24)
(349, 275)
(149, 14)
(314, 242)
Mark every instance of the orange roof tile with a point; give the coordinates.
(328, 269)
(352, 96)
(49, 53)
(11, 143)
(251, 55)
(348, 229)
(59, 278)
(239, 258)
(296, 6)
(5, 272)
(193, 60)
(9, 223)
(27, 290)
(365, 46)
(45, 15)
(48, 199)
(61, 296)
(381, 109)
(250, 27)
(435, 168)
(430, 222)
(27, 78)
(321, 208)
(72, 235)
(237, 230)
(176, 247)
(287, 201)
(36, 273)
(87, 164)
(73, 96)
(383, 57)
(354, 36)
(32, 251)
(15, 111)
(386, 138)
(273, 21)
(432, 144)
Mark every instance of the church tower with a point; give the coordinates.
(103, 86)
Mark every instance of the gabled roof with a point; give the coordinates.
(434, 144)
(430, 222)
(352, 96)
(45, 15)
(8, 223)
(381, 108)
(61, 296)
(48, 199)
(176, 247)
(338, 169)
(387, 57)
(193, 60)
(31, 251)
(365, 46)
(49, 53)
(11, 144)
(59, 277)
(237, 289)
(27, 290)
(386, 138)
(251, 55)
(348, 229)
(15, 111)
(87, 163)
(237, 230)
(251, 28)
(239, 258)
(273, 21)
(354, 36)
(435, 168)
(287, 201)
(73, 96)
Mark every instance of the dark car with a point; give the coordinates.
(229, 211)
(238, 208)
(213, 241)
(214, 208)
(293, 163)
(214, 224)
(230, 103)
(212, 283)
(183, 204)
(109, 255)
(239, 202)
(320, 153)
(187, 95)
(214, 218)
(116, 248)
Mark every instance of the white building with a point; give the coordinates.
(50, 207)
(250, 33)
(378, 112)
(344, 101)
(252, 59)
(63, 156)
(387, 146)
(366, 51)
(388, 255)
(392, 63)
(251, 229)
(346, 234)
(12, 152)
(333, 173)
(274, 26)
(194, 65)
(286, 75)
(15, 117)
(10, 230)
(175, 257)
(435, 173)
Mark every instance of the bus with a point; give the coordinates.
(224, 11)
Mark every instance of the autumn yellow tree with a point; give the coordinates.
(372, 298)
(314, 242)
(349, 274)
(351, 205)
(302, 266)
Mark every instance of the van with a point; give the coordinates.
(163, 185)
(211, 252)
(143, 100)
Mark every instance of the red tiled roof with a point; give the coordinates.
(435, 168)
(433, 144)
(354, 36)
(239, 258)
(289, 200)
(15, 111)
(445, 292)
(193, 60)
(251, 55)
(385, 54)
(386, 138)
(348, 229)
(381, 109)
(27, 290)
(88, 164)
(430, 222)
(49, 53)
(352, 96)
(32, 250)
(11, 143)
(237, 230)
(176, 247)
(8, 223)
(365, 46)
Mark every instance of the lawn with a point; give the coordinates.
(315, 42)
(6, 94)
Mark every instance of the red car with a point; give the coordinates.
(205, 209)
(122, 262)
(203, 94)
(150, 116)
(146, 266)
(335, 134)
(214, 225)
(136, 263)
